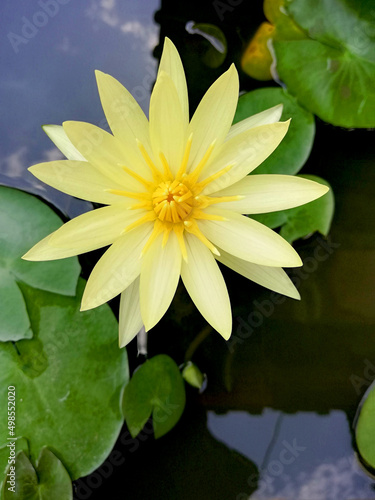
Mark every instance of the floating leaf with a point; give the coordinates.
(291, 154)
(257, 58)
(156, 388)
(49, 480)
(365, 426)
(332, 72)
(69, 380)
(304, 220)
(24, 221)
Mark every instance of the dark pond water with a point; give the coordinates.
(275, 421)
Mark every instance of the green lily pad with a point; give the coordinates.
(293, 151)
(68, 380)
(21, 444)
(304, 220)
(332, 72)
(365, 427)
(25, 220)
(156, 388)
(48, 480)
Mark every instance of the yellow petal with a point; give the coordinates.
(214, 115)
(271, 115)
(103, 151)
(117, 269)
(249, 240)
(245, 151)
(170, 62)
(95, 229)
(130, 319)
(167, 130)
(205, 284)
(58, 136)
(126, 119)
(268, 193)
(160, 273)
(273, 278)
(77, 178)
(43, 251)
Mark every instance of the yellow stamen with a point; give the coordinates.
(155, 172)
(201, 185)
(167, 171)
(179, 232)
(185, 158)
(145, 204)
(166, 201)
(194, 229)
(193, 177)
(175, 216)
(198, 214)
(140, 179)
(158, 228)
(164, 209)
(150, 216)
(129, 194)
(167, 230)
(186, 196)
(205, 201)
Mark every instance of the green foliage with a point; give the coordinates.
(365, 428)
(156, 389)
(332, 70)
(292, 153)
(69, 380)
(24, 221)
(301, 221)
(49, 480)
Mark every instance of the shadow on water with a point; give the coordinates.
(275, 420)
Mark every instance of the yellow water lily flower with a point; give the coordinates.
(175, 192)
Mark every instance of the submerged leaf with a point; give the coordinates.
(217, 48)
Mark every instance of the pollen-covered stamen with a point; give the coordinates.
(206, 201)
(155, 172)
(172, 201)
(194, 175)
(201, 185)
(192, 227)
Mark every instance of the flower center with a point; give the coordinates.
(172, 201)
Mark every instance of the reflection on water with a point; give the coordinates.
(50, 78)
(293, 463)
(275, 420)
